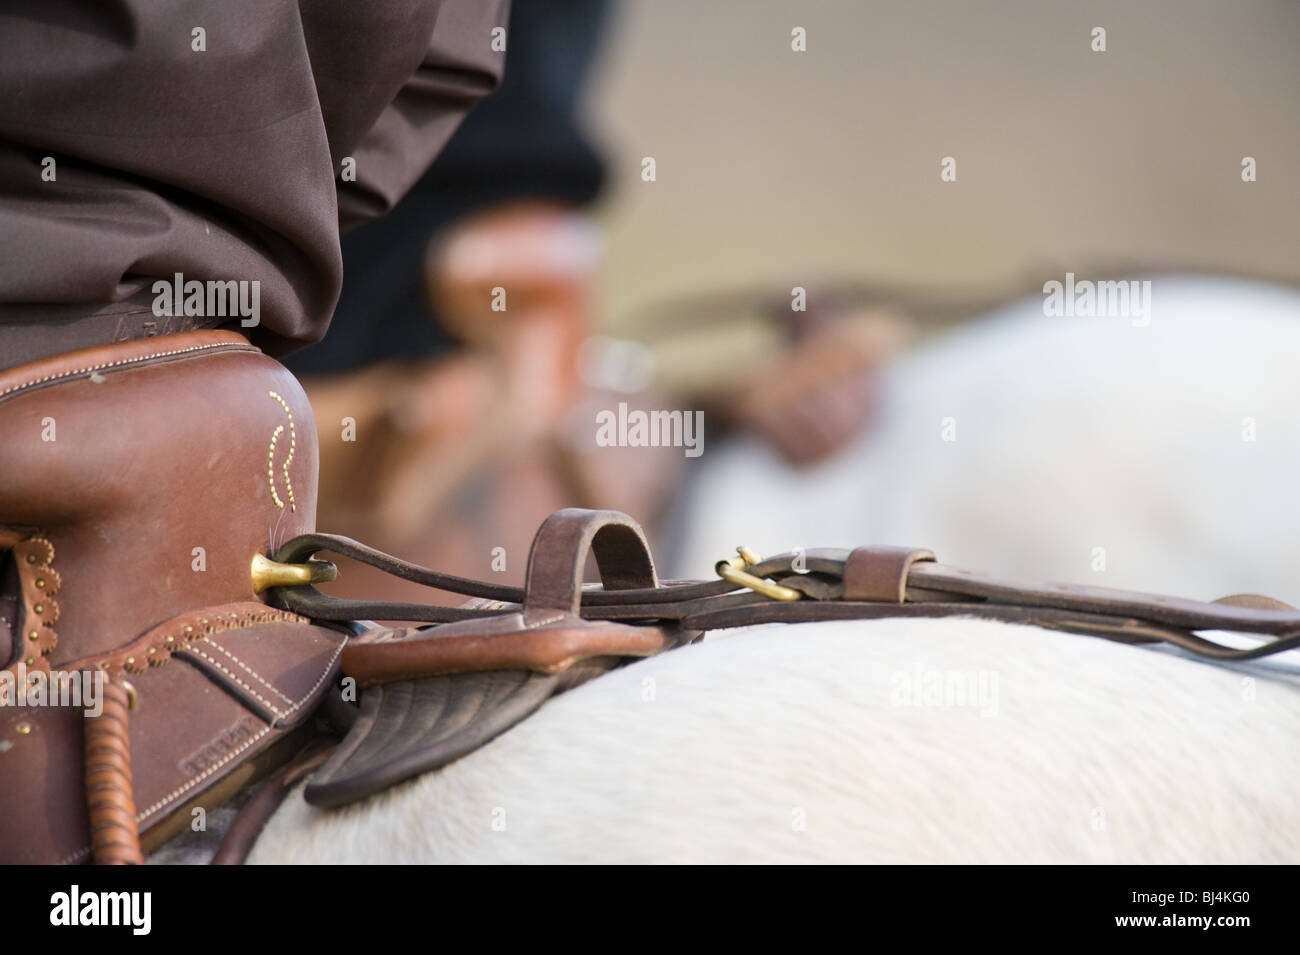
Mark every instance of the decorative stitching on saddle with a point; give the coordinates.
(321, 679)
(38, 584)
(270, 457)
(193, 648)
(249, 670)
(155, 648)
(78, 372)
(547, 621)
(190, 784)
(186, 786)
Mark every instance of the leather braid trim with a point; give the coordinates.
(194, 781)
(115, 838)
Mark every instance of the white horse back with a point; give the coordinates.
(897, 740)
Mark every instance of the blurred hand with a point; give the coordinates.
(509, 261)
(820, 395)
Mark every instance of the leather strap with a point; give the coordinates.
(832, 580)
(547, 636)
(559, 555)
(1173, 611)
(501, 643)
(880, 573)
(253, 817)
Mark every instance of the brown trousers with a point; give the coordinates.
(224, 141)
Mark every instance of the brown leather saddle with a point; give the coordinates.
(197, 609)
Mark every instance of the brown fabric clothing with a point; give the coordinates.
(220, 164)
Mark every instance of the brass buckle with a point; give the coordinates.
(269, 573)
(732, 570)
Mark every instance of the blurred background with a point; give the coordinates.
(540, 274)
(774, 165)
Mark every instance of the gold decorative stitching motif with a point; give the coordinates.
(270, 457)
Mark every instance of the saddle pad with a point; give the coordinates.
(434, 694)
(412, 726)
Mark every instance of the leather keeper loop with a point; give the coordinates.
(559, 555)
(879, 574)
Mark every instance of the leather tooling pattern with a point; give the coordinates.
(220, 749)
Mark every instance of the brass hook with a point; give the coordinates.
(269, 573)
(732, 570)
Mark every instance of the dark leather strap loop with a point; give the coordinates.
(559, 555)
(249, 822)
(879, 574)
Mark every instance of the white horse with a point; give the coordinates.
(1154, 452)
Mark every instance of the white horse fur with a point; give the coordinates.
(1161, 456)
